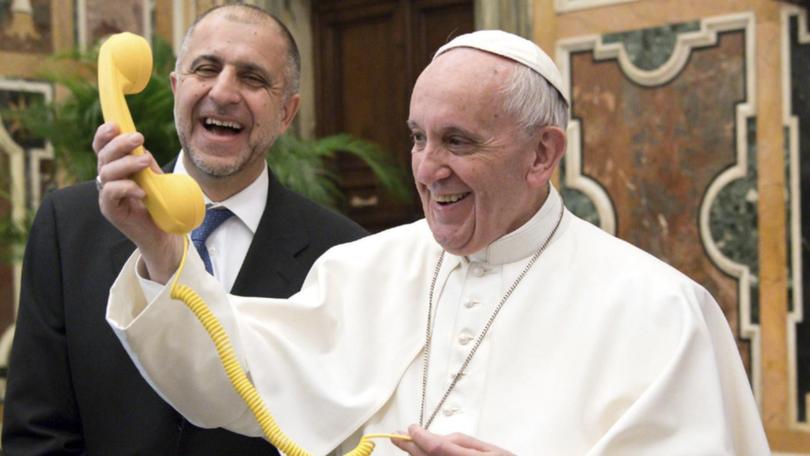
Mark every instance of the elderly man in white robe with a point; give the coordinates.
(501, 323)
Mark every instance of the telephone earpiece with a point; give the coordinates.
(174, 201)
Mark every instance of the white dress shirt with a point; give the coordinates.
(601, 349)
(229, 243)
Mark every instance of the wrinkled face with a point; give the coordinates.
(229, 103)
(470, 160)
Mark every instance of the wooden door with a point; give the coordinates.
(368, 54)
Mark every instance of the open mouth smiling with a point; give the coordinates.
(221, 127)
(446, 200)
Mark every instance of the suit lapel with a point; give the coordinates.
(120, 250)
(271, 267)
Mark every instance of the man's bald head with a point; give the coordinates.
(250, 14)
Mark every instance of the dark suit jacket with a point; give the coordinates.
(71, 387)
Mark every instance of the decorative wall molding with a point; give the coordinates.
(685, 42)
(564, 6)
(575, 179)
(706, 36)
(743, 111)
(793, 184)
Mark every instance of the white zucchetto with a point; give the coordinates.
(511, 47)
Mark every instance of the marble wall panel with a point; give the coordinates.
(655, 149)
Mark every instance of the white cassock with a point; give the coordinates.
(601, 349)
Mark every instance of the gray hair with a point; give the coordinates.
(292, 70)
(535, 102)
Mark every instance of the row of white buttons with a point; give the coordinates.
(465, 337)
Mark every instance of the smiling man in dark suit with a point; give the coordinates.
(71, 387)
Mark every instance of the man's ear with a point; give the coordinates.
(549, 149)
(289, 110)
(173, 80)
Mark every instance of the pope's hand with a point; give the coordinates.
(426, 443)
(122, 201)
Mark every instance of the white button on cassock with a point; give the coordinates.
(465, 338)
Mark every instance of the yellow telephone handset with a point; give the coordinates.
(174, 201)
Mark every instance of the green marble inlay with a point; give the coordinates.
(650, 48)
(580, 204)
(733, 220)
(576, 201)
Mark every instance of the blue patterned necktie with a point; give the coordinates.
(213, 218)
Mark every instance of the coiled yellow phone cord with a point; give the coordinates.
(239, 379)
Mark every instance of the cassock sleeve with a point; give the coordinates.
(314, 364)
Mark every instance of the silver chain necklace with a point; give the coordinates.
(474, 349)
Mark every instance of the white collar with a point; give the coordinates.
(248, 205)
(524, 241)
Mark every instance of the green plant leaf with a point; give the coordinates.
(302, 165)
